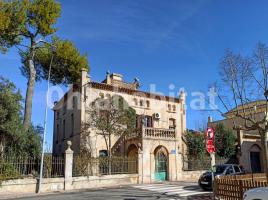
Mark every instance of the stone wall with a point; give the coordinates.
(190, 176)
(24, 186)
(21, 186)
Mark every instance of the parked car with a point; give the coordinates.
(256, 193)
(205, 180)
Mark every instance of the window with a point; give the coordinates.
(237, 169)
(229, 170)
(63, 130)
(148, 104)
(72, 124)
(148, 121)
(101, 95)
(141, 103)
(174, 108)
(169, 107)
(138, 121)
(135, 102)
(103, 153)
(172, 123)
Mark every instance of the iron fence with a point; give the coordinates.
(17, 167)
(86, 166)
(196, 164)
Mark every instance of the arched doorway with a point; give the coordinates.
(255, 159)
(132, 151)
(161, 164)
(132, 154)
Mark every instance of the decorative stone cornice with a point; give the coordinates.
(107, 87)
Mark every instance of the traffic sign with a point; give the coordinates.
(210, 140)
(210, 133)
(210, 146)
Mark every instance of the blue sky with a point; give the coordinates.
(161, 42)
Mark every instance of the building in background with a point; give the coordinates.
(158, 144)
(248, 142)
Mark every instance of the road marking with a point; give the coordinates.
(169, 189)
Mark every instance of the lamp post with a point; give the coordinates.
(45, 120)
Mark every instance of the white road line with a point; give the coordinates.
(171, 189)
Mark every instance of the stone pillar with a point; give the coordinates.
(140, 166)
(68, 167)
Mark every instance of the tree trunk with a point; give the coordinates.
(29, 95)
(265, 153)
(2, 146)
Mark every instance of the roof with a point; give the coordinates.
(253, 106)
(107, 87)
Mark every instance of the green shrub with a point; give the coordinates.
(8, 172)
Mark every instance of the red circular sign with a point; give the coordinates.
(210, 140)
(210, 133)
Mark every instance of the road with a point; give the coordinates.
(164, 191)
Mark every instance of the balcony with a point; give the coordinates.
(157, 133)
(153, 133)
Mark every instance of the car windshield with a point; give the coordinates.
(220, 169)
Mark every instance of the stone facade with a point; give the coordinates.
(158, 145)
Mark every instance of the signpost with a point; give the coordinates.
(210, 135)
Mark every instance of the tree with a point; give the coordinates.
(196, 144)
(14, 138)
(111, 117)
(243, 83)
(224, 141)
(25, 24)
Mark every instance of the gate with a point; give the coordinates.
(160, 166)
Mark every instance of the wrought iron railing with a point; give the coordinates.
(195, 164)
(85, 166)
(17, 167)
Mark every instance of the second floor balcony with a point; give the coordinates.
(154, 133)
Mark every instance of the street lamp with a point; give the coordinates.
(45, 119)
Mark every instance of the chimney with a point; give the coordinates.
(210, 119)
(182, 96)
(117, 77)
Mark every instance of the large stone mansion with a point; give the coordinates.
(158, 145)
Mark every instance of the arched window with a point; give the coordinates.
(141, 103)
(135, 102)
(169, 107)
(174, 108)
(148, 104)
(172, 123)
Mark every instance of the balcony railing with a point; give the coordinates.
(159, 133)
(154, 133)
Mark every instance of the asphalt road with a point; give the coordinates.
(167, 191)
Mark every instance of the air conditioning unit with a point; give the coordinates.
(157, 116)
